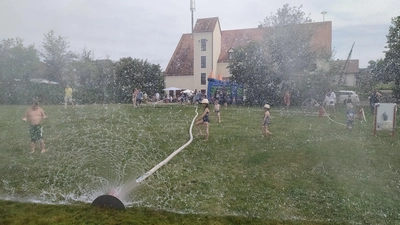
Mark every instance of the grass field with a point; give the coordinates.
(310, 171)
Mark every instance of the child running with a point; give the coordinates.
(217, 108)
(204, 118)
(265, 122)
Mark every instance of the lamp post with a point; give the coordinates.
(323, 15)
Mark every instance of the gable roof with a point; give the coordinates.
(181, 63)
(236, 38)
(205, 25)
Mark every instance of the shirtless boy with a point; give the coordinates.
(34, 115)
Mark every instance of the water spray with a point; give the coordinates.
(111, 199)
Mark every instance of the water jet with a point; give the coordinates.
(111, 199)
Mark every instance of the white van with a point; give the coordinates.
(344, 95)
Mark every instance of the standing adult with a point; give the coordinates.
(134, 95)
(157, 97)
(286, 100)
(330, 101)
(34, 115)
(139, 99)
(199, 97)
(333, 96)
(68, 96)
(374, 98)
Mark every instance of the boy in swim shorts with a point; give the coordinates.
(34, 115)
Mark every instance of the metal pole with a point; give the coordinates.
(323, 15)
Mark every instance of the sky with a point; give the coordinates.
(151, 29)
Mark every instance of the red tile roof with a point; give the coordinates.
(205, 25)
(236, 38)
(181, 63)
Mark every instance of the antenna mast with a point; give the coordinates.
(192, 8)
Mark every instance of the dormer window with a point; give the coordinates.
(231, 54)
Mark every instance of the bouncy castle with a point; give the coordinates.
(224, 91)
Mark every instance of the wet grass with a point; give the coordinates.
(310, 171)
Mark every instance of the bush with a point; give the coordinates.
(17, 93)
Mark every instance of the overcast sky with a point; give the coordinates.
(151, 29)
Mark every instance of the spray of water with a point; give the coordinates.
(123, 191)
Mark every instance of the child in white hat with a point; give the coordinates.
(204, 118)
(266, 119)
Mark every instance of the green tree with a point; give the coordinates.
(392, 55)
(135, 73)
(287, 16)
(18, 61)
(93, 79)
(56, 57)
(251, 69)
(378, 73)
(367, 79)
(284, 61)
(17, 65)
(301, 70)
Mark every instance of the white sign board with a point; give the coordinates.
(385, 116)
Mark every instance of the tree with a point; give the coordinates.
(17, 65)
(93, 79)
(251, 69)
(17, 61)
(292, 58)
(378, 73)
(287, 16)
(285, 61)
(135, 73)
(367, 78)
(392, 55)
(56, 56)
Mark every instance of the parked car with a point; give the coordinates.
(344, 95)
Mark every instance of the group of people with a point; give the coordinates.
(35, 114)
(330, 101)
(204, 118)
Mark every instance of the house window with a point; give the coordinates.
(203, 44)
(203, 78)
(203, 62)
(231, 53)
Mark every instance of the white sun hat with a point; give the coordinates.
(205, 101)
(266, 106)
